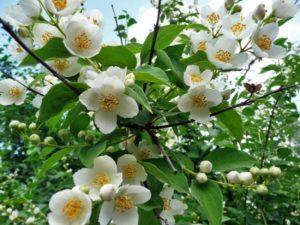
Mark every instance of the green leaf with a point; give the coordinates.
(166, 36)
(148, 218)
(81, 123)
(151, 74)
(138, 94)
(88, 154)
(229, 159)
(55, 48)
(197, 26)
(210, 197)
(56, 99)
(72, 114)
(284, 152)
(200, 59)
(232, 120)
(116, 56)
(95, 214)
(154, 203)
(53, 159)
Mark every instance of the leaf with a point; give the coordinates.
(72, 114)
(229, 159)
(116, 56)
(200, 59)
(95, 214)
(147, 218)
(56, 99)
(151, 74)
(166, 36)
(81, 123)
(53, 159)
(88, 154)
(197, 26)
(154, 203)
(284, 152)
(232, 120)
(55, 48)
(210, 197)
(138, 94)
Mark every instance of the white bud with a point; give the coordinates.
(50, 140)
(254, 170)
(262, 189)
(22, 126)
(205, 166)
(81, 134)
(201, 178)
(275, 171)
(34, 138)
(246, 178)
(14, 124)
(36, 210)
(108, 192)
(9, 210)
(129, 80)
(32, 126)
(264, 171)
(14, 215)
(233, 177)
(30, 220)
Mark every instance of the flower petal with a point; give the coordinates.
(185, 103)
(138, 194)
(106, 121)
(130, 217)
(90, 98)
(106, 213)
(105, 164)
(127, 107)
(277, 52)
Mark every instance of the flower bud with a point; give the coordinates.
(226, 94)
(50, 141)
(23, 32)
(129, 80)
(14, 124)
(89, 138)
(260, 12)
(64, 134)
(34, 138)
(9, 210)
(30, 220)
(32, 126)
(108, 192)
(110, 149)
(246, 178)
(229, 4)
(85, 189)
(36, 210)
(81, 134)
(264, 171)
(254, 170)
(233, 177)
(22, 127)
(205, 166)
(201, 178)
(275, 171)
(262, 189)
(237, 9)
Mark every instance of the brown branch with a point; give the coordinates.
(8, 28)
(117, 24)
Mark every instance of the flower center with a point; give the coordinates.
(166, 205)
(202, 46)
(19, 49)
(47, 37)
(144, 154)
(82, 41)
(109, 102)
(213, 18)
(199, 100)
(101, 179)
(123, 203)
(73, 209)
(14, 92)
(264, 42)
(61, 64)
(223, 56)
(238, 28)
(60, 4)
(196, 78)
(130, 171)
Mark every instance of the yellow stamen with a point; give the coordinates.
(166, 205)
(15, 92)
(61, 64)
(60, 4)
(196, 78)
(223, 56)
(130, 171)
(109, 102)
(19, 49)
(73, 209)
(199, 100)
(238, 28)
(123, 203)
(264, 42)
(202, 46)
(213, 18)
(47, 37)
(82, 42)
(101, 179)
(144, 154)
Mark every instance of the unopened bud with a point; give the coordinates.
(81, 134)
(22, 126)
(262, 189)
(64, 134)
(205, 166)
(23, 32)
(108, 192)
(129, 80)
(229, 4)
(260, 12)
(254, 170)
(89, 138)
(30, 220)
(32, 126)
(34, 138)
(237, 9)
(50, 141)
(14, 124)
(226, 94)
(110, 149)
(201, 178)
(85, 189)
(246, 178)
(264, 171)
(275, 171)
(233, 177)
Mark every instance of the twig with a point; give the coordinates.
(117, 24)
(8, 28)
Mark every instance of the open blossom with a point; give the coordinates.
(223, 54)
(16, 50)
(197, 101)
(67, 67)
(11, 92)
(237, 26)
(285, 8)
(199, 40)
(171, 206)
(69, 207)
(62, 7)
(43, 33)
(87, 73)
(144, 150)
(262, 42)
(106, 97)
(122, 209)
(194, 77)
(212, 18)
(133, 172)
(103, 172)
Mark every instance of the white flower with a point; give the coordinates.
(233, 177)
(238, 27)
(16, 50)
(171, 206)
(11, 92)
(36, 210)
(122, 209)
(87, 73)
(62, 7)
(30, 220)
(83, 39)
(69, 207)
(285, 8)
(212, 18)
(14, 215)
(246, 178)
(205, 166)
(199, 40)
(114, 71)
(262, 42)
(95, 17)
(193, 76)
(67, 67)
(201, 178)
(144, 150)
(106, 97)
(133, 172)
(197, 101)
(103, 172)
(222, 54)
(43, 33)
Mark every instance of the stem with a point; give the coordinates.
(117, 24)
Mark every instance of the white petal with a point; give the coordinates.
(214, 97)
(55, 219)
(277, 52)
(105, 164)
(106, 213)
(128, 107)
(116, 71)
(185, 103)
(167, 193)
(239, 60)
(130, 217)
(125, 160)
(271, 30)
(106, 121)
(83, 177)
(139, 194)
(177, 207)
(166, 215)
(201, 115)
(90, 98)
(258, 52)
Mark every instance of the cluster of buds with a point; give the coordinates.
(17, 126)
(205, 168)
(273, 171)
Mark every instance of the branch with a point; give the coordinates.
(117, 24)
(8, 28)
(244, 103)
